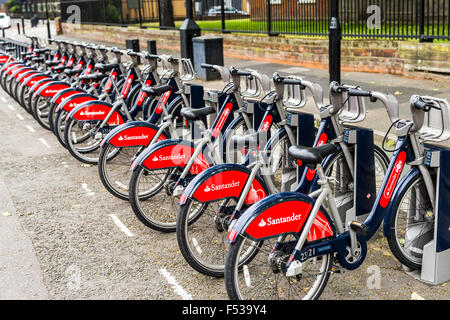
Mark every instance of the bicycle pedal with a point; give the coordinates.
(359, 228)
(336, 269)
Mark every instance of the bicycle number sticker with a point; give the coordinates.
(393, 178)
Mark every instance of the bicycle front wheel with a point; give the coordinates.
(264, 277)
(412, 224)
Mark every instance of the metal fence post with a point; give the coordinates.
(335, 43)
(140, 14)
(188, 30)
(222, 14)
(18, 28)
(269, 18)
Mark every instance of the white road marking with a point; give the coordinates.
(10, 107)
(30, 128)
(173, 282)
(4, 99)
(247, 276)
(20, 117)
(89, 191)
(42, 140)
(121, 185)
(121, 226)
(196, 245)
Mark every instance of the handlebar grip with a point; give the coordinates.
(238, 72)
(422, 105)
(151, 56)
(359, 93)
(207, 66)
(336, 88)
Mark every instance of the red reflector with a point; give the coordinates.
(182, 199)
(133, 166)
(299, 163)
(232, 235)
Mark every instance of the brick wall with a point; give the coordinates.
(380, 56)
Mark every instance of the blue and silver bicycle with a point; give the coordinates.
(287, 245)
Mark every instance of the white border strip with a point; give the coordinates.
(42, 140)
(121, 226)
(176, 287)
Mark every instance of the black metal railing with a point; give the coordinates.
(390, 19)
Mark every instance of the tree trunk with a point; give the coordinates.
(166, 12)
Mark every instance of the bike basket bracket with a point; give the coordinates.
(436, 122)
(354, 109)
(294, 96)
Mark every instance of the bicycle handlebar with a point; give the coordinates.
(420, 104)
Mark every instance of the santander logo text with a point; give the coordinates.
(271, 222)
(393, 178)
(167, 158)
(127, 138)
(214, 187)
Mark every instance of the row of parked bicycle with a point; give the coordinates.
(255, 190)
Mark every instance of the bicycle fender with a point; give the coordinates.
(75, 100)
(38, 84)
(14, 68)
(3, 59)
(96, 111)
(27, 74)
(64, 94)
(280, 214)
(224, 181)
(411, 175)
(31, 80)
(16, 74)
(172, 153)
(136, 133)
(50, 89)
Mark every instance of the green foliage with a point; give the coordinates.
(112, 14)
(14, 9)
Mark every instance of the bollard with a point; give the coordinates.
(151, 46)
(208, 50)
(133, 44)
(188, 30)
(18, 28)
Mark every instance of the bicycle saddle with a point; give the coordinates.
(192, 114)
(106, 66)
(312, 156)
(51, 63)
(72, 72)
(38, 59)
(157, 90)
(40, 51)
(59, 68)
(94, 77)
